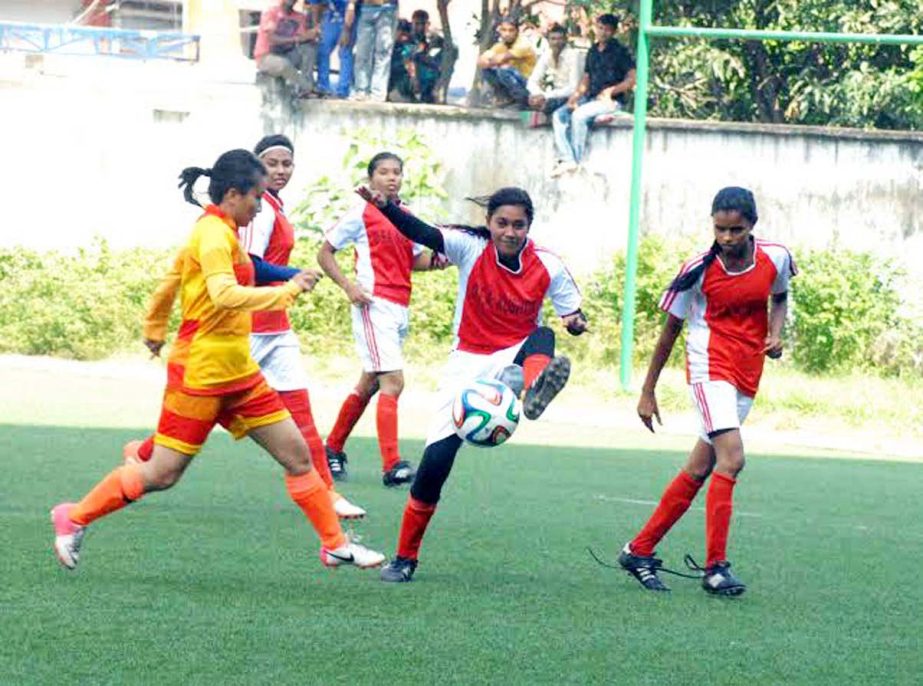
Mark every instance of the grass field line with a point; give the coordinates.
(654, 503)
(125, 392)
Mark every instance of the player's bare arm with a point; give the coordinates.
(778, 309)
(326, 258)
(647, 404)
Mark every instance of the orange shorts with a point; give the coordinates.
(186, 420)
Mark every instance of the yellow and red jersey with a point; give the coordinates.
(214, 278)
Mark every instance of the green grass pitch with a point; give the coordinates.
(218, 582)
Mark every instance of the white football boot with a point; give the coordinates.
(351, 554)
(67, 536)
(344, 508)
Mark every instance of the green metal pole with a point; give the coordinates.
(804, 36)
(634, 198)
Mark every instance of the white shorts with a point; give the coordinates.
(279, 357)
(380, 330)
(462, 368)
(719, 405)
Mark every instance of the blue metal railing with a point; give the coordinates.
(85, 40)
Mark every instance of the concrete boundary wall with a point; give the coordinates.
(97, 150)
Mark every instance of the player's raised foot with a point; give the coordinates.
(643, 568)
(546, 386)
(401, 473)
(344, 508)
(400, 570)
(67, 536)
(351, 554)
(719, 580)
(130, 452)
(336, 460)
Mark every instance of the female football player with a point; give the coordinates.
(723, 294)
(269, 240)
(380, 297)
(503, 280)
(212, 377)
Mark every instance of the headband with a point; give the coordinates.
(276, 147)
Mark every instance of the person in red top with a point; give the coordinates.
(503, 280)
(286, 46)
(723, 294)
(268, 240)
(211, 376)
(380, 297)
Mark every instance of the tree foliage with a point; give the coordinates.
(822, 84)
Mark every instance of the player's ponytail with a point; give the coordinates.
(730, 199)
(491, 203)
(237, 169)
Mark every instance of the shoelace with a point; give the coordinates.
(652, 569)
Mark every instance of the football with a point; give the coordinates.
(485, 413)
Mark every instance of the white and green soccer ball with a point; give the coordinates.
(486, 413)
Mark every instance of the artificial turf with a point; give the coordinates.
(218, 580)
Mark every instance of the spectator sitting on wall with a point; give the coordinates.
(401, 83)
(507, 66)
(286, 46)
(608, 75)
(556, 74)
(427, 56)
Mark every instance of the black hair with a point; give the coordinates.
(272, 141)
(381, 157)
(508, 19)
(609, 20)
(508, 195)
(238, 169)
(422, 14)
(557, 28)
(730, 199)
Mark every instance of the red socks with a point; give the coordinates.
(718, 509)
(673, 504)
(532, 366)
(416, 518)
(350, 412)
(298, 404)
(386, 420)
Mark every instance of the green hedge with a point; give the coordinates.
(847, 310)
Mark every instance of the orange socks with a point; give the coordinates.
(532, 366)
(298, 403)
(310, 494)
(416, 518)
(386, 420)
(718, 508)
(119, 488)
(352, 410)
(673, 504)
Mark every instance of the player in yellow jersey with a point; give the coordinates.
(213, 377)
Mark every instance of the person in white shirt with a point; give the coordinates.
(556, 75)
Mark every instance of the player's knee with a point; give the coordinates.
(698, 472)
(161, 479)
(391, 383)
(731, 461)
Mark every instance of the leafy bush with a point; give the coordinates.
(847, 316)
(847, 311)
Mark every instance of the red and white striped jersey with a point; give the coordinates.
(497, 307)
(728, 316)
(384, 257)
(270, 236)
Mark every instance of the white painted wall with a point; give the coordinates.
(93, 146)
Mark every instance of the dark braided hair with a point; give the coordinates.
(272, 141)
(237, 169)
(381, 157)
(730, 199)
(508, 195)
